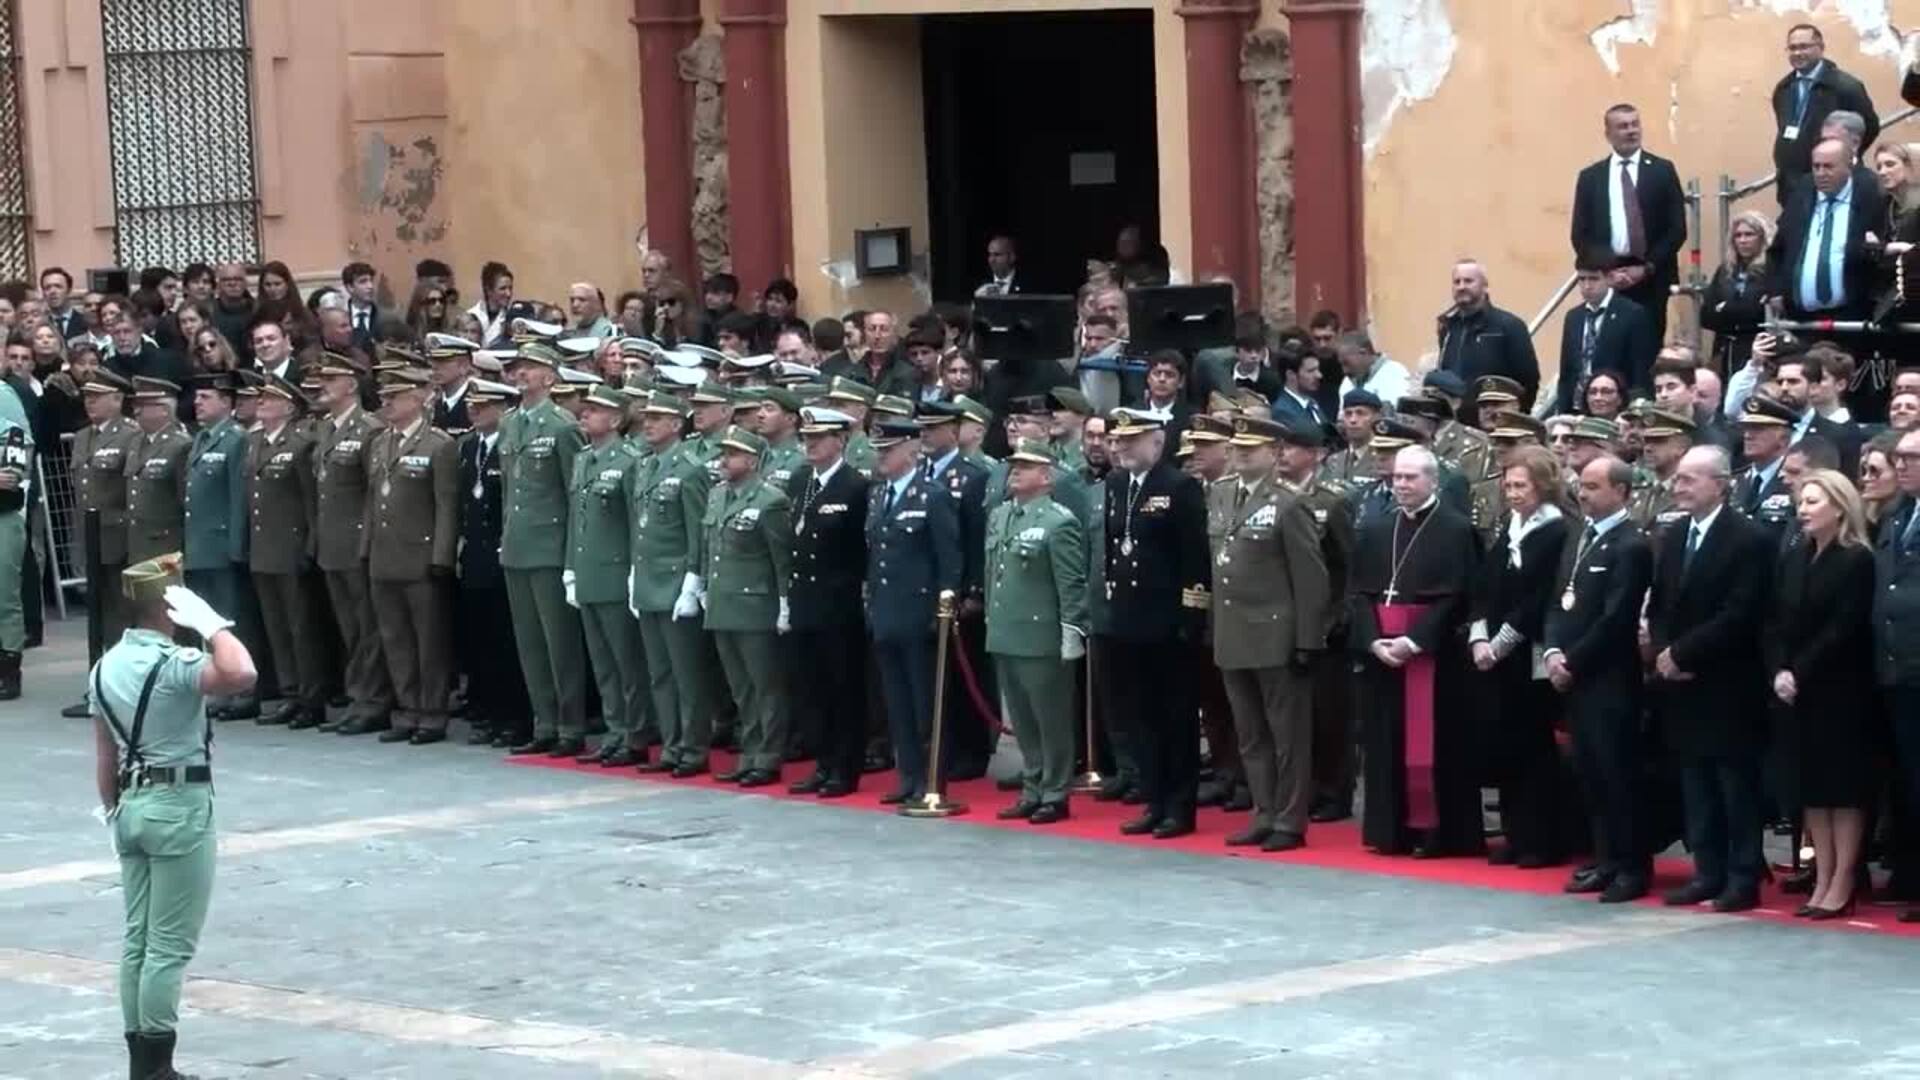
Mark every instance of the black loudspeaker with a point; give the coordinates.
(1023, 328)
(1183, 317)
(112, 281)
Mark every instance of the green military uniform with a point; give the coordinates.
(1069, 490)
(99, 469)
(746, 547)
(157, 493)
(1463, 447)
(537, 446)
(598, 558)
(409, 542)
(342, 446)
(162, 822)
(216, 520)
(280, 552)
(783, 459)
(16, 460)
(861, 455)
(1350, 466)
(1489, 506)
(667, 494)
(1036, 598)
(1652, 503)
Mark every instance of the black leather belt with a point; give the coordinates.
(191, 774)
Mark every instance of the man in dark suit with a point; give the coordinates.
(1630, 203)
(1593, 659)
(1158, 576)
(1607, 332)
(364, 316)
(1703, 616)
(56, 292)
(1801, 101)
(1819, 259)
(1246, 364)
(1166, 394)
(134, 356)
(1003, 264)
(1297, 404)
(829, 566)
(913, 556)
(1796, 377)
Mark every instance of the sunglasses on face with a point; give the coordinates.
(436, 300)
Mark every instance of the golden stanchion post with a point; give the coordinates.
(935, 804)
(1091, 780)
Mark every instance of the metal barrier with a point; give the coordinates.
(62, 522)
(1731, 193)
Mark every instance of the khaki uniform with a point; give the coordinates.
(537, 446)
(409, 540)
(156, 493)
(341, 452)
(1270, 602)
(1349, 466)
(99, 469)
(1652, 507)
(1463, 447)
(1035, 587)
(280, 518)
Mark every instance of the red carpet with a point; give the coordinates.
(1335, 846)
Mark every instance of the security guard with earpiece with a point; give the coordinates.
(152, 767)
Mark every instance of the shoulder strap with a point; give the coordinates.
(130, 738)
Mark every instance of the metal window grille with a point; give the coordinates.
(180, 121)
(16, 248)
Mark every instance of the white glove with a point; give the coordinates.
(633, 580)
(689, 604)
(189, 612)
(566, 582)
(784, 622)
(1073, 642)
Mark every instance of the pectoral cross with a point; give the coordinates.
(1390, 594)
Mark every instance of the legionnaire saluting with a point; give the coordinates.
(16, 475)
(538, 442)
(156, 472)
(1036, 614)
(99, 464)
(412, 524)
(599, 535)
(155, 780)
(747, 550)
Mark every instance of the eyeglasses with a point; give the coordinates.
(1905, 457)
(207, 346)
(436, 300)
(1872, 471)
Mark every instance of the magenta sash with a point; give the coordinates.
(1423, 809)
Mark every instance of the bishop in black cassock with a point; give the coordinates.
(1411, 584)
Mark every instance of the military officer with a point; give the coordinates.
(827, 642)
(855, 398)
(779, 425)
(497, 705)
(216, 530)
(16, 478)
(599, 558)
(1271, 597)
(280, 550)
(1069, 410)
(408, 541)
(1036, 599)
(99, 469)
(1760, 491)
(667, 494)
(1459, 446)
(452, 359)
(913, 556)
(975, 419)
(156, 472)
(1665, 439)
(712, 412)
(1507, 431)
(155, 783)
(1157, 579)
(970, 745)
(342, 444)
(1032, 418)
(1494, 394)
(1354, 463)
(538, 444)
(746, 548)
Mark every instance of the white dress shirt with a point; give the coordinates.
(1617, 203)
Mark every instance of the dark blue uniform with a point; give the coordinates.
(968, 747)
(483, 630)
(913, 555)
(829, 565)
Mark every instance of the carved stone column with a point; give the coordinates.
(703, 64)
(1266, 67)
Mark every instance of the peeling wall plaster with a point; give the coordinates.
(1636, 28)
(1871, 19)
(1406, 50)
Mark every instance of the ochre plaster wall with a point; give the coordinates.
(1485, 164)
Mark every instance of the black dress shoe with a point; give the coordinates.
(1111, 789)
(532, 747)
(1693, 892)
(1284, 841)
(1050, 813)
(1022, 809)
(1173, 829)
(834, 789)
(759, 778)
(479, 737)
(808, 786)
(1009, 783)
(282, 715)
(331, 726)
(567, 748)
(731, 776)
(647, 768)
(1133, 797)
(363, 726)
(1736, 900)
(82, 711)
(393, 735)
(588, 757)
(1251, 836)
(1588, 879)
(1141, 825)
(621, 758)
(244, 709)
(1624, 889)
(427, 736)
(307, 719)
(688, 768)
(896, 797)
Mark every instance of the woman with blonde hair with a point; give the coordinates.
(1819, 649)
(1897, 166)
(1734, 305)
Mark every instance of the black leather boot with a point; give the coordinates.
(136, 1057)
(159, 1057)
(9, 676)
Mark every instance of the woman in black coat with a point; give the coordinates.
(1733, 306)
(1516, 702)
(1819, 649)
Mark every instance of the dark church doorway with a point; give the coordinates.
(1041, 126)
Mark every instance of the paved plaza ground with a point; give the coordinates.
(387, 911)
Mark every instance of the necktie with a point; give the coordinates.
(1630, 204)
(1907, 534)
(1753, 489)
(1823, 263)
(1802, 86)
(1239, 499)
(1693, 545)
(1589, 337)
